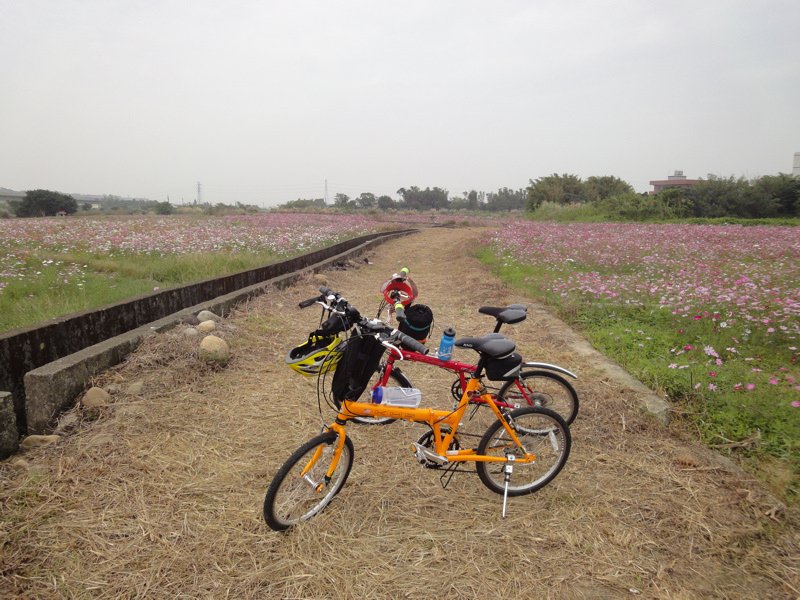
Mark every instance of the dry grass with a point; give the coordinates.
(160, 497)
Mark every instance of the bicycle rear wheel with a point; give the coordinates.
(544, 389)
(543, 433)
(292, 497)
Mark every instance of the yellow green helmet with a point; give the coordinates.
(319, 354)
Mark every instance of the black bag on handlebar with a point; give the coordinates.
(333, 325)
(418, 321)
(362, 355)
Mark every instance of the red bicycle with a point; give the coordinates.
(537, 384)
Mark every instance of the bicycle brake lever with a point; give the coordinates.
(391, 346)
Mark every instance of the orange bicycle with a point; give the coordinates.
(536, 383)
(520, 452)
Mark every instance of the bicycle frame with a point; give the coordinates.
(436, 419)
(463, 370)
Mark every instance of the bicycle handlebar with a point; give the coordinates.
(325, 294)
(309, 302)
(410, 343)
(388, 334)
(351, 316)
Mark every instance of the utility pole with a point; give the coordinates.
(326, 192)
(199, 192)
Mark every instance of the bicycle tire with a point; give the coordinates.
(544, 389)
(543, 433)
(283, 497)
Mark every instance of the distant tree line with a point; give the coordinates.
(415, 198)
(46, 203)
(607, 196)
(767, 196)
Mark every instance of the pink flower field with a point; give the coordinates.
(740, 277)
(713, 308)
(280, 234)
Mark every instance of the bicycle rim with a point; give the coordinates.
(292, 497)
(542, 433)
(542, 389)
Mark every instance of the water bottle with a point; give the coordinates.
(397, 396)
(446, 344)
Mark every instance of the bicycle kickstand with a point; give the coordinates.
(508, 468)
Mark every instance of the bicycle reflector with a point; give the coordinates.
(319, 354)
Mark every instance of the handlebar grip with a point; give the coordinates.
(399, 311)
(326, 291)
(411, 344)
(307, 303)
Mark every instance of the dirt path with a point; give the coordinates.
(160, 497)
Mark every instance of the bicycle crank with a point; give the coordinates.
(426, 455)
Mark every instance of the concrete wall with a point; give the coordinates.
(22, 351)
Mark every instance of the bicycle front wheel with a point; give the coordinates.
(542, 433)
(292, 496)
(543, 389)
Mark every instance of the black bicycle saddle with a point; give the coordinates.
(513, 313)
(493, 345)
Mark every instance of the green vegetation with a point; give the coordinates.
(568, 213)
(611, 199)
(743, 408)
(85, 281)
(44, 203)
(595, 213)
(415, 198)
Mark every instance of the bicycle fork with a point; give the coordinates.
(319, 486)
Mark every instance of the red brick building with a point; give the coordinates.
(678, 180)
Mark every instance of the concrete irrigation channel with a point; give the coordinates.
(159, 494)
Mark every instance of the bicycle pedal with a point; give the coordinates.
(425, 456)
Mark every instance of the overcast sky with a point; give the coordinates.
(263, 101)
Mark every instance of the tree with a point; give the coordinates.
(386, 202)
(598, 188)
(506, 199)
(675, 202)
(164, 208)
(559, 189)
(783, 188)
(86, 207)
(459, 203)
(341, 200)
(366, 200)
(305, 203)
(729, 197)
(429, 198)
(472, 199)
(44, 203)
